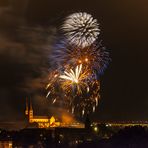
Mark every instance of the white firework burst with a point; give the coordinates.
(73, 76)
(81, 29)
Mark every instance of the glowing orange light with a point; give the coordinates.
(52, 120)
(55, 75)
(86, 59)
(80, 61)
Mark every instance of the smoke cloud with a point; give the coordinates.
(24, 64)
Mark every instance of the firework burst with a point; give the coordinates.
(81, 29)
(75, 79)
(77, 61)
(95, 57)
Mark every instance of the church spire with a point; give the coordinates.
(30, 111)
(31, 105)
(27, 108)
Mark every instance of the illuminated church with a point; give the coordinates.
(42, 121)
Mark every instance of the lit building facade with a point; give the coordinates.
(42, 121)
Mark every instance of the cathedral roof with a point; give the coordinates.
(41, 117)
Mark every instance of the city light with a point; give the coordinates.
(96, 129)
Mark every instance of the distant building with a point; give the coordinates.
(5, 144)
(42, 121)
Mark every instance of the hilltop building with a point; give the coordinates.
(42, 121)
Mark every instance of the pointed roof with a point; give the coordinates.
(31, 105)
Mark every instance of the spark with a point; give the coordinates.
(54, 101)
(48, 85)
(96, 99)
(83, 112)
(73, 108)
(48, 94)
(94, 108)
(87, 89)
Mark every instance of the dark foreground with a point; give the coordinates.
(99, 136)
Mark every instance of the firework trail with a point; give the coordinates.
(86, 102)
(81, 94)
(81, 29)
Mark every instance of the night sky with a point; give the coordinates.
(27, 30)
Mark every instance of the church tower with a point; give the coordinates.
(30, 112)
(27, 108)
